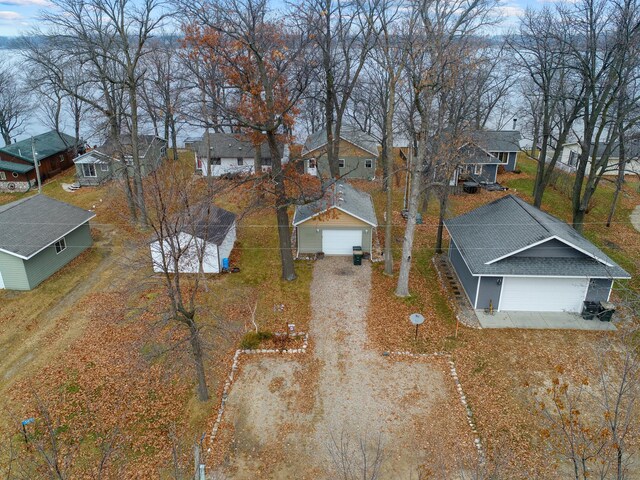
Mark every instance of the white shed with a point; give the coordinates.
(200, 247)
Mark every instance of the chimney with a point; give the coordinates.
(515, 121)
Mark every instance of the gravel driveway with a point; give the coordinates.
(284, 413)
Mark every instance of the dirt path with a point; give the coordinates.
(30, 340)
(283, 415)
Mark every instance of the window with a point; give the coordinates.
(88, 170)
(62, 159)
(341, 162)
(368, 163)
(128, 160)
(240, 161)
(60, 245)
(573, 159)
(477, 169)
(14, 174)
(104, 167)
(215, 161)
(312, 163)
(163, 151)
(266, 161)
(3, 176)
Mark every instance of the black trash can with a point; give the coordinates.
(590, 310)
(357, 255)
(606, 311)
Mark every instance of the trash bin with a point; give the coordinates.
(470, 187)
(606, 311)
(357, 255)
(590, 310)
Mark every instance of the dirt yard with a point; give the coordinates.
(284, 413)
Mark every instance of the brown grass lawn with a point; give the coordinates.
(499, 369)
(87, 343)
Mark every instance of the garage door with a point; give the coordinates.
(543, 294)
(340, 242)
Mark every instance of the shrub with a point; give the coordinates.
(251, 340)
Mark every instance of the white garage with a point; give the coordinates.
(340, 242)
(531, 294)
(200, 246)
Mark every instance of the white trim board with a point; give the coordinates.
(295, 224)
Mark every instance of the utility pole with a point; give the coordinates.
(35, 162)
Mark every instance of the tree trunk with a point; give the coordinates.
(388, 163)
(282, 214)
(137, 170)
(444, 198)
(198, 360)
(402, 289)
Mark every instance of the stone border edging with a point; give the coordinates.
(234, 367)
(463, 398)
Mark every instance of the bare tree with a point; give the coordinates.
(343, 33)
(349, 460)
(14, 104)
(438, 38)
(180, 216)
(553, 92)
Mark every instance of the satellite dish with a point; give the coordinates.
(416, 319)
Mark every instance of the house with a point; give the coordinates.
(230, 154)
(53, 150)
(485, 153)
(568, 160)
(210, 238)
(342, 219)
(357, 157)
(515, 257)
(110, 160)
(39, 236)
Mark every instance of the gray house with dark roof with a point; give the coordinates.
(114, 156)
(342, 219)
(515, 257)
(487, 150)
(38, 236)
(206, 238)
(357, 158)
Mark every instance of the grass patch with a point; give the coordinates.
(252, 340)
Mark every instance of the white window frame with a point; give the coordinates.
(3, 176)
(341, 163)
(104, 167)
(368, 163)
(86, 170)
(477, 169)
(60, 246)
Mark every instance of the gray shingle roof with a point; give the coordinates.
(46, 144)
(33, 223)
(122, 146)
(497, 140)
(350, 133)
(228, 145)
(213, 223)
(343, 196)
(508, 225)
